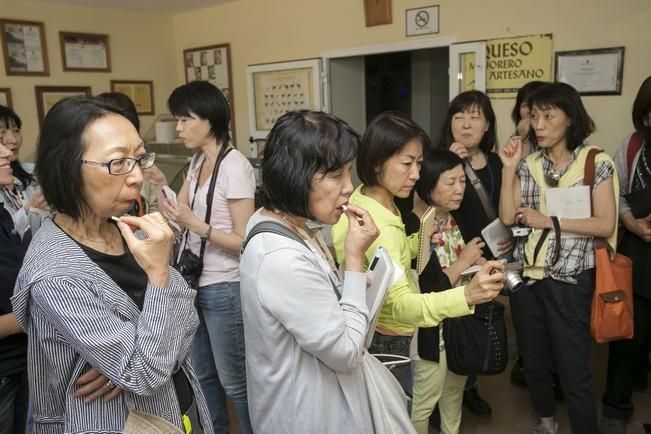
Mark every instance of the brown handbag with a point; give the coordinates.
(612, 303)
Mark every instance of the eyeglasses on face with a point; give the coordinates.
(122, 166)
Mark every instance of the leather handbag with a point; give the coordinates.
(612, 303)
(188, 263)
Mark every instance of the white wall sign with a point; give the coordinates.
(422, 21)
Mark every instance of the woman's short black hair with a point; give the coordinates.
(523, 96)
(564, 97)
(9, 119)
(435, 162)
(300, 145)
(122, 101)
(60, 149)
(384, 137)
(641, 110)
(467, 101)
(207, 102)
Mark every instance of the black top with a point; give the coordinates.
(13, 349)
(127, 274)
(471, 216)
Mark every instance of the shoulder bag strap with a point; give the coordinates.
(588, 179)
(481, 191)
(211, 191)
(282, 230)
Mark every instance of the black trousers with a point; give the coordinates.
(555, 336)
(624, 358)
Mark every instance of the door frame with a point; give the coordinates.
(365, 50)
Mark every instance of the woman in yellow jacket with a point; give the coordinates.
(388, 164)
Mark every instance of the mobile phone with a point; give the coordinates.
(169, 194)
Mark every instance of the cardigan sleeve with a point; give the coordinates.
(136, 357)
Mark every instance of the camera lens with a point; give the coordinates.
(512, 281)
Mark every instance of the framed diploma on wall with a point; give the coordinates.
(87, 52)
(47, 96)
(24, 47)
(140, 92)
(592, 72)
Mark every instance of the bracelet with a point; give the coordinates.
(206, 236)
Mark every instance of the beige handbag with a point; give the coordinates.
(139, 422)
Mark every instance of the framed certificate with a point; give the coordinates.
(24, 48)
(592, 72)
(5, 96)
(140, 92)
(47, 96)
(86, 52)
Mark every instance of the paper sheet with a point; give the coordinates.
(569, 203)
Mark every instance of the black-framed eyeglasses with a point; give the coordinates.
(122, 166)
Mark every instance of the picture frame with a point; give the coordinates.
(141, 92)
(85, 52)
(24, 47)
(5, 97)
(212, 63)
(47, 96)
(591, 72)
(377, 12)
(276, 88)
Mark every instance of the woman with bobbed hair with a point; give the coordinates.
(304, 321)
(203, 118)
(109, 322)
(627, 357)
(557, 299)
(441, 185)
(388, 164)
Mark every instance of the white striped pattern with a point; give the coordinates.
(77, 317)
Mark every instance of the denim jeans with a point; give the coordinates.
(14, 393)
(397, 345)
(218, 353)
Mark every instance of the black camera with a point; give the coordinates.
(190, 267)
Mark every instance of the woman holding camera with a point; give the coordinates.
(388, 164)
(203, 119)
(305, 322)
(556, 301)
(109, 322)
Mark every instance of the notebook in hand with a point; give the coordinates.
(381, 275)
(427, 222)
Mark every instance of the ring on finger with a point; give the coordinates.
(109, 385)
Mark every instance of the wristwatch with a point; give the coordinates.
(206, 236)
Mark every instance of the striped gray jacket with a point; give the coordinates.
(77, 318)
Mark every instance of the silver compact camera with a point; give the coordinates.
(513, 281)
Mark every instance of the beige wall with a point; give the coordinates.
(141, 49)
(267, 31)
(149, 46)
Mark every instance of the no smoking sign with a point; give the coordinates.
(422, 21)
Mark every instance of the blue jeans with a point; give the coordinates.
(397, 345)
(218, 353)
(14, 393)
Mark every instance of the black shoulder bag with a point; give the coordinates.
(188, 263)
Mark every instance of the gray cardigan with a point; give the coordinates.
(77, 318)
(625, 180)
(303, 346)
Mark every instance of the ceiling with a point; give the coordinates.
(145, 5)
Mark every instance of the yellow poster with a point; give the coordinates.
(513, 62)
(467, 62)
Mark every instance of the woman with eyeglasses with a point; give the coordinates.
(109, 322)
(559, 269)
(203, 118)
